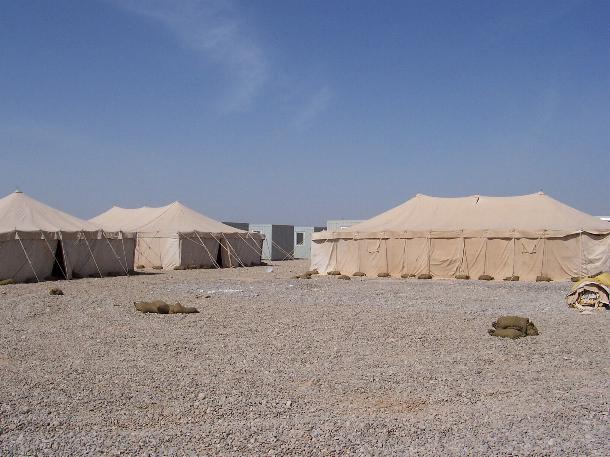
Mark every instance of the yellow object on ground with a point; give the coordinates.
(590, 292)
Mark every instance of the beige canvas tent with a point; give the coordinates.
(177, 236)
(526, 236)
(37, 242)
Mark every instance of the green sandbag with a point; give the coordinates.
(180, 309)
(543, 278)
(345, 277)
(512, 322)
(511, 333)
(161, 307)
(383, 275)
(155, 306)
(531, 329)
(359, 273)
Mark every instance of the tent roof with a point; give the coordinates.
(21, 212)
(526, 213)
(173, 218)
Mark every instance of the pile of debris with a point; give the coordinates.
(590, 293)
(513, 327)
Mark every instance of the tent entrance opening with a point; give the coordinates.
(59, 265)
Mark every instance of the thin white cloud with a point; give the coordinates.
(216, 29)
(315, 105)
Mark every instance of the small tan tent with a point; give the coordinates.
(37, 241)
(177, 236)
(526, 236)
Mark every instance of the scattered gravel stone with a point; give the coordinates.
(273, 366)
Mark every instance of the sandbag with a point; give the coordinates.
(161, 307)
(507, 333)
(514, 322)
(155, 306)
(531, 329)
(180, 309)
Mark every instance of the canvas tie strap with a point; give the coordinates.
(124, 253)
(429, 252)
(208, 251)
(139, 251)
(115, 254)
(288, 254)
(221, 245)
(234, 251)
(245, 240)
(28, 258)
(91, 252)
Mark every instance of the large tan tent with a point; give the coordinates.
(37, 242)
(177, 236)
(528, 236)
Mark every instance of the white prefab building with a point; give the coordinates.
(279, 241)
(340, 224)
(302, 241)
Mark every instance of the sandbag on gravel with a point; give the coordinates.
(516, 322)
(513, 327)
(161, 307)
(511, 333)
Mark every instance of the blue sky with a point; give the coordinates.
(303, 111)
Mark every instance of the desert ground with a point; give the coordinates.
(279, 366)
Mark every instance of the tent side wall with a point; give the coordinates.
(94, 256)
(241, 249)
(198, 250)
(557, 258)
(15, 265)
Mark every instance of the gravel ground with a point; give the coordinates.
(281, 366)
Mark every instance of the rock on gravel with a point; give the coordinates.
(273, 366)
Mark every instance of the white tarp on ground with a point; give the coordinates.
(526, 236)
(35, 238)
(177, 236)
